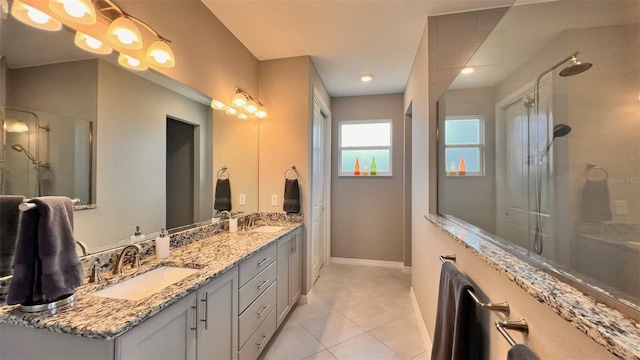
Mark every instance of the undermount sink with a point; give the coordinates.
(146, 284)
(268, 229)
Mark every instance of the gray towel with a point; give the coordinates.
(521, 352)
(10, 216)
(223, 195)
(45, 265)
(595, 201)
(457, 332)
(291, 202)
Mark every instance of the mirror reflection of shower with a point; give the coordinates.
(574, 67)
(22, 133)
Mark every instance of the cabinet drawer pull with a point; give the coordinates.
(263, 284)
(195, 318)
(205, 300)
(264, 310)
(264, 261)
(264, 339)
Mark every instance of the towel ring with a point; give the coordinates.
(292, 169)
(222, 174)
(603, 171)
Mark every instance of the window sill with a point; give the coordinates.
(365, 176)
(469, 174)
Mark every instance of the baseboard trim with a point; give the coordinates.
(406, 269)
(423, 328)
(305, 299)
(366, 262)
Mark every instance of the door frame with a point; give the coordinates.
(317, 98)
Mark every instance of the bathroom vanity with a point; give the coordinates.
(245, 285)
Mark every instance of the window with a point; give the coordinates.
(464, 138)
(366, 141)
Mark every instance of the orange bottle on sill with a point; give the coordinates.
(356, 169)
(462, 167)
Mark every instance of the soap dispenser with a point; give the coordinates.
(162, 244)
(137, 236)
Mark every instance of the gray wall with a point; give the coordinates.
(367, 212)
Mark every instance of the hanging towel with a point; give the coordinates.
(457, 331)
(595, 201)
(45, 266)
(223, 195)
(10, 215)
(521, 352)
(291, 196)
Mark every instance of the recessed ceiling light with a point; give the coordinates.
(467, 70)
(366, 77)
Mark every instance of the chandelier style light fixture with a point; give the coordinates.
(101, 26)
(242, 105)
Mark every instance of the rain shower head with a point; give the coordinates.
(20, 148)
(575, 67)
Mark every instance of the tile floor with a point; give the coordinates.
(358, 312)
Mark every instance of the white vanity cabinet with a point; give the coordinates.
(289, 273)
(201, 326)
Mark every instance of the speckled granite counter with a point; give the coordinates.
(107, 318)
(618, 333)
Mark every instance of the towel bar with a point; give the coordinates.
(28, 206)
(293, 168)
(502, 306)
(518, 325)
(221, 172)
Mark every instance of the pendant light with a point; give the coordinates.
(160, 54)
(131, 63)
(124, 33)
(77, 11)
(90, 44)
(34, 17)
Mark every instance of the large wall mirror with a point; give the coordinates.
(547, 122)
(82, 126)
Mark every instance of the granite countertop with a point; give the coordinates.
(618, 333)
(107, 318)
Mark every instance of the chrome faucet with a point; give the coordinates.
(225, 212)
(137, 250)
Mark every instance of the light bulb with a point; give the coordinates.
(239, 100)
(91, 44)
(160, 54)
(218, 105)
(251, 107)
(123, 32)
(242, 116)
(366, 77)
(131, 63)
(33, 17)
(77, 11)
(231, 111)
(261, 113)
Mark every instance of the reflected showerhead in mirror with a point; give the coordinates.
(20, 148)
(560, 130)
(575, 67)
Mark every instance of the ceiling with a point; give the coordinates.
(345, 38)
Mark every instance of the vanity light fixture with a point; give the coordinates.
(242, 116)
(131, 62)
(239, 99)
(366, 77)
(160, 54)
(243, 105)
(231, 111)
(77, 11)
(218, 105)
(91, 44)
(261, 113)
(16, 127)
(34, 17)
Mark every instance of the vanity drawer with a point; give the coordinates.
(256, 286)
(257, 262)
(256, 313)
(259, 339)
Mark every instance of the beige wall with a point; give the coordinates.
(550, 337)
(287, 85)
(367, 214)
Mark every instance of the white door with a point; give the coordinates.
(317, 195)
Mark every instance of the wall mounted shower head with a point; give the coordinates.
(20, 148)
(575, 67)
